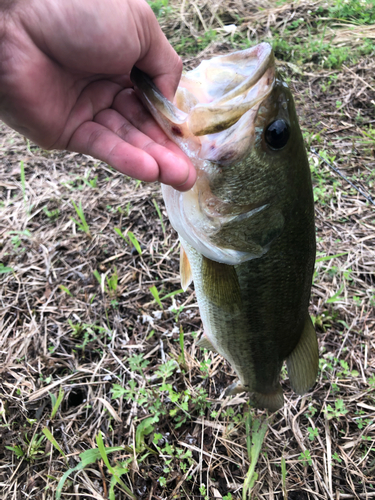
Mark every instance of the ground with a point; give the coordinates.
(98, 343)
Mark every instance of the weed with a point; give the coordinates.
(336, 296)
(82, 226)
(163, 399)
(313, 433)
(182, 347)
(159, 299)
(56, 402)
(203, 492)
(112, 282)
(155, 294)
(87, 332)
(5, 269)
(66, 290)
(132, 238)
(160, 7)
(89, 457)
(338, 411)
(93, 183)
(255, 434)
(159, 215)
(18, 237)
(30, 449)
(356, 11)
(311, 411)
(51, 214)
(336, 457)
(305, 458)
(283, 478)
(53, 441)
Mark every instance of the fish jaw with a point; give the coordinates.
(212, 120)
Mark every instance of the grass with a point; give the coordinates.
(103, 392)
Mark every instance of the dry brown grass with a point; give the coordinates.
(81, 341)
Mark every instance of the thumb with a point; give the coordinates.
(158, 59)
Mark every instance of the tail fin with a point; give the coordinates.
(273, 401)
(303, 362)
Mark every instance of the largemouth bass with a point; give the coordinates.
(247, 226)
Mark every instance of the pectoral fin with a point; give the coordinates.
(235, 388)
(303, 362)
(221, 286)
(204, 343)
(185, 270)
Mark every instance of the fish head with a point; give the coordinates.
(234, 117)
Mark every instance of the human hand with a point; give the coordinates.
(64, 82)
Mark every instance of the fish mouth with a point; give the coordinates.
(212, 97)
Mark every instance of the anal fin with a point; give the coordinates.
(185, 270)
(303, 362)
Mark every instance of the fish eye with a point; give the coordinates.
(277, 134)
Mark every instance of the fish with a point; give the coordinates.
(246, 227)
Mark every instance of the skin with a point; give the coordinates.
(64, 82)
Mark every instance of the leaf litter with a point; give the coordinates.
(99, 353)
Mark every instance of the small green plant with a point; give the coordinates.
(5, 269)
(30, 449)
(162, 481)
(338, 411)
(89, 457)
(162, 399)
(87, 332)
(51, 214)
(56, 402)
(53, 441)
(311, 411)
(66, 290)
(17, 450)
(305, 458)
(155, 294)
(255, 434)
(132, 238)
(93, 183)
(23, 183)
(144, 428)
(160, 7)
(203, 491)
(336, 457)
(182, 347)
(313, 433)
(283, 478)
(336, 296)
(18, 236)
(159, 215)
(112, 282)
(83, 226)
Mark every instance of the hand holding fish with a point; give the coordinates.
(64, 82)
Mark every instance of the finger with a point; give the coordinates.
(174, 169)
(96, 140)
(130, 107)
